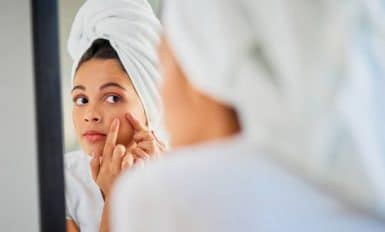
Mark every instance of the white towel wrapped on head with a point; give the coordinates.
(312, 98)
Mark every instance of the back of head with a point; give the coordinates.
(294, 72)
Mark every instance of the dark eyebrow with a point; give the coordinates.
(81, 87)
(112, 84)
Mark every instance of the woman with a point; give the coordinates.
(116, 110)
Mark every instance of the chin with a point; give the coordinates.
(87, 148)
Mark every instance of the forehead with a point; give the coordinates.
(97, 72)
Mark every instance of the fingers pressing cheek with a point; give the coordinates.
(148, 146)
(140, 154)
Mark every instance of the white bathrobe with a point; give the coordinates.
(229, 187)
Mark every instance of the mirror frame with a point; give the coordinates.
(48, 114)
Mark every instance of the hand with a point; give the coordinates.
(106, 166)
(145, 144)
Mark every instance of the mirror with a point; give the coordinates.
(67, 12)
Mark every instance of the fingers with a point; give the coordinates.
(148, 146)
(111, 139)
(95, 165)
(128, 160)
(143, 135)
(131, 146)
(140, 154)
(148, 142)
(137, 157)
(136, 124)
(117, 156)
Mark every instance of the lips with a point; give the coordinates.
(94, 136)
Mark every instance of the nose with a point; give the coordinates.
(93, 115)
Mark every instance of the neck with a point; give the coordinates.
(206, 120)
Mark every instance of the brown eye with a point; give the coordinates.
(80, 101)
(112, 99)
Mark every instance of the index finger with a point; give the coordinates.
(111, 139)
(138, 126)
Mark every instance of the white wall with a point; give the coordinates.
(18, 164)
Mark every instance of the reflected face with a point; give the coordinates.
(102, 92)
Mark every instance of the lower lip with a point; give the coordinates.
(94, 137)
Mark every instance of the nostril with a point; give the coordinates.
(92, 119)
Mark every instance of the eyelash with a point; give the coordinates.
(76, 98)
(118, 99)
(113, 95)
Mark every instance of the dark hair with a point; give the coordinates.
(100, 49)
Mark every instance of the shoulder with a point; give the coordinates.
(210, 157)
(84, 202)
(77, 170)
(206, 163)
(202, 176)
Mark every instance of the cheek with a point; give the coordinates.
(135, 107)
(76, 119)
(126, 131)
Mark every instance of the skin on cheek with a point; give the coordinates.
(126, 132)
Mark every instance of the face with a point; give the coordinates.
(102, 92)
